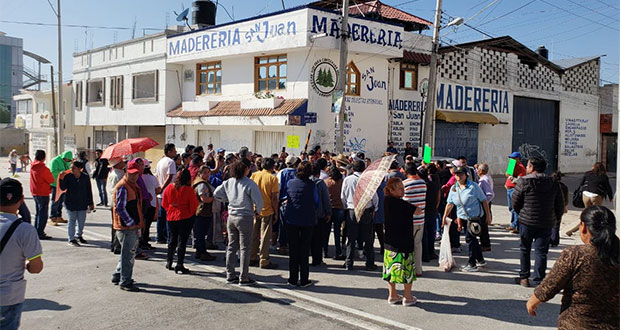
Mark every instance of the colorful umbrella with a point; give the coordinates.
(368, 183)
(128, 147)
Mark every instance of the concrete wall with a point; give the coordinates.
(12, 138)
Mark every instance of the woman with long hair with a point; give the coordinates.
(334, 187)
(589, 275)
(181, 202)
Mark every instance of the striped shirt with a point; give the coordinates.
(415, 193)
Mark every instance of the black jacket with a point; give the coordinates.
(398, 225)
(538, 201)
(598, 184)
(101, 169)
(79, 193)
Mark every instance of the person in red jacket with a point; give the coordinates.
(41, 179)
(180, 201)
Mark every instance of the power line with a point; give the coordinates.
(76, 25)
(592, 10)
(506, 14)
(582, 17)
(608, 5)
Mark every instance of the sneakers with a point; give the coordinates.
(131, 287)
(74, 243)
(233, 280)
(44, 236)
(482, 263)
(469, 268)
(81, 240)
(307, 284)
(247, 282)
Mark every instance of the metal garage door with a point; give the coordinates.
(266, 143)
(535, 129)
(457, 139)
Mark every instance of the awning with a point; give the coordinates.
(467, 117)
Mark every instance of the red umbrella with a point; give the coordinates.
(128, 147)
(368, 183)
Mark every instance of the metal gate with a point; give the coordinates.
(535, 129)
(456, 139)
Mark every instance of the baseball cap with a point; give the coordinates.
(220, 150)
(515, 154)
(11, 191)
(133, 167)
(290, 160)
(454, 163)
(460, 169)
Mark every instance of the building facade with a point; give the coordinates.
(11, 77)
(609, 126)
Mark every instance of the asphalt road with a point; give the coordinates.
(74, 291)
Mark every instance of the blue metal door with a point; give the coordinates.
(535, 129)
(457, 139)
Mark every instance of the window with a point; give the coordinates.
(78, 95)
(116, 92)
(145, 87)
(24, 107)
(270, 73)
(353, 80)
(209, 78)
(95, 92)
(408, 76)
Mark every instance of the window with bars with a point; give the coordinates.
(408, 76)
(116, 92)
(209, 78)
(353, 80)
(270, 73)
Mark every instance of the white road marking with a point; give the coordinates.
(86, 231)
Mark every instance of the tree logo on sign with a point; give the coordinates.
(324, 77)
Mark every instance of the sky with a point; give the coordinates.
(568, 28)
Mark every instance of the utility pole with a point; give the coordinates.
(54, 112)
(60, 141)
(429, 116)
(342, 74)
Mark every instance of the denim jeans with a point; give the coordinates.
(282, 234)
(56, 211)
(24, 213)
(201, 226)
(162, 225)
(514, 219)
(103, 195)
(40, 219)
(80, 218)
(129, 243)
(475, 253)
(540, 237)
(337, 218)
(10, 316)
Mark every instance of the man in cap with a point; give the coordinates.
(59, 164)
(128, 220)
(511, 181)
(115, 175)
(21, 247)
(284, 176)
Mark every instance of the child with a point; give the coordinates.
(398, 259)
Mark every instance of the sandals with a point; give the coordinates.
(395, 301)
(411, 302)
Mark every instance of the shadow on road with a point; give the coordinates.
(37, 304)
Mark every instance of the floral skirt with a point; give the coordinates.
(398, 267)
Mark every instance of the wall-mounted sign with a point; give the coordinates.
(294, 120)
(292, 141)
(324, 77)
(188, 75)
(471, 98)
(310, 117)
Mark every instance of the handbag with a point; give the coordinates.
(474, 225)
(578, 197)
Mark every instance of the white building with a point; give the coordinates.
(497, 96)
(230, 72)
(35, 115)
(124, 90)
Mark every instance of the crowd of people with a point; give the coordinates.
(252, 205)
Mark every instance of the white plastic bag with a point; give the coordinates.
(446, 262)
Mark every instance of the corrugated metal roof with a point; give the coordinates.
(416, 57)
(567, 63)
(385, 11)
(233, 108)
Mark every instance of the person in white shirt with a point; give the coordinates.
(165, 171)
(364, 224)
(486, 183)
